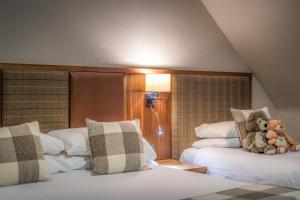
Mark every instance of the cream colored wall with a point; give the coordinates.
(156, 33)
(290, 117)
(291, 120)
(266, 36)
(261, 99)
(169, 33)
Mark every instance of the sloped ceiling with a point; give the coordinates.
(266, 34)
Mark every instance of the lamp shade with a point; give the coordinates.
(158, 82)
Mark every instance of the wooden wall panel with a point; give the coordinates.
(97, 96)
(136, 109)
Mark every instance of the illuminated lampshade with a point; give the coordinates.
(158, 82)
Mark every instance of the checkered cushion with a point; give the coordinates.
(240, 118)
(116, 146)
(240, 122)
(257, 192)
(21, 155)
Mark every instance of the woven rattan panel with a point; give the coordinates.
(204, 99)
(41, 96)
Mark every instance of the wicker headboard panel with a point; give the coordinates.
(204, 99)
(35, 96)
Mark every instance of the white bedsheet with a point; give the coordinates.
(160, 183)
(282, 170)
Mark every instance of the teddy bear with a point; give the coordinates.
(277, 140)
(277, 136)
(256, 140)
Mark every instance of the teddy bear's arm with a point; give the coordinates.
(289, 139)
(272, 141)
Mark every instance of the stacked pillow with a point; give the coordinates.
(75, 140)
(57, 159)
(51, 145)
(76, 146)
(221, 134)
(228, 134)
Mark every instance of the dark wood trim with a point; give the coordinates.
(122, 69)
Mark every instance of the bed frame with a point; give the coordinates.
(63, 96)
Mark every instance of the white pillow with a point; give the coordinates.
(62, 163)
(217, 130)
(218, 142)
(264, 109)
(51, 145)
(77, 143)
(150, 154)
(75, 140)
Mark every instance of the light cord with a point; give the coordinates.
(160, 130)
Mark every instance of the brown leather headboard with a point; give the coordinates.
(98, 96)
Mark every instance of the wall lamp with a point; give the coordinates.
(154, 84)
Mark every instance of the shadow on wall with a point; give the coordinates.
(261, 99)
(291, 119)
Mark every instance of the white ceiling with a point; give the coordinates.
(266, 34)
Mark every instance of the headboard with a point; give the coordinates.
(60, 99)
(198, 99)
(29, 95)
(98, 96)
(63, 96)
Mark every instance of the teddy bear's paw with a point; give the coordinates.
(281, 150)
(270, 152)
(297, 147)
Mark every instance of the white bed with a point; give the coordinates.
(159, 183)
(236, 164)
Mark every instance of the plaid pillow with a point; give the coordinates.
(21, 155)
(115, 147)
(240, 122)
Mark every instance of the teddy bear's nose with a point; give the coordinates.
(266, 125)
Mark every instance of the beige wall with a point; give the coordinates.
(266, 36)
(291, 119)
(261, 99)
(168, 33)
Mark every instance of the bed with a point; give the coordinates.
(236, 164)
(159, 183)
(70, 104)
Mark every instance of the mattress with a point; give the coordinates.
(236, 164)
(159, 183)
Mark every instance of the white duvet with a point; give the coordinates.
(160, 183)
(282, 170)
